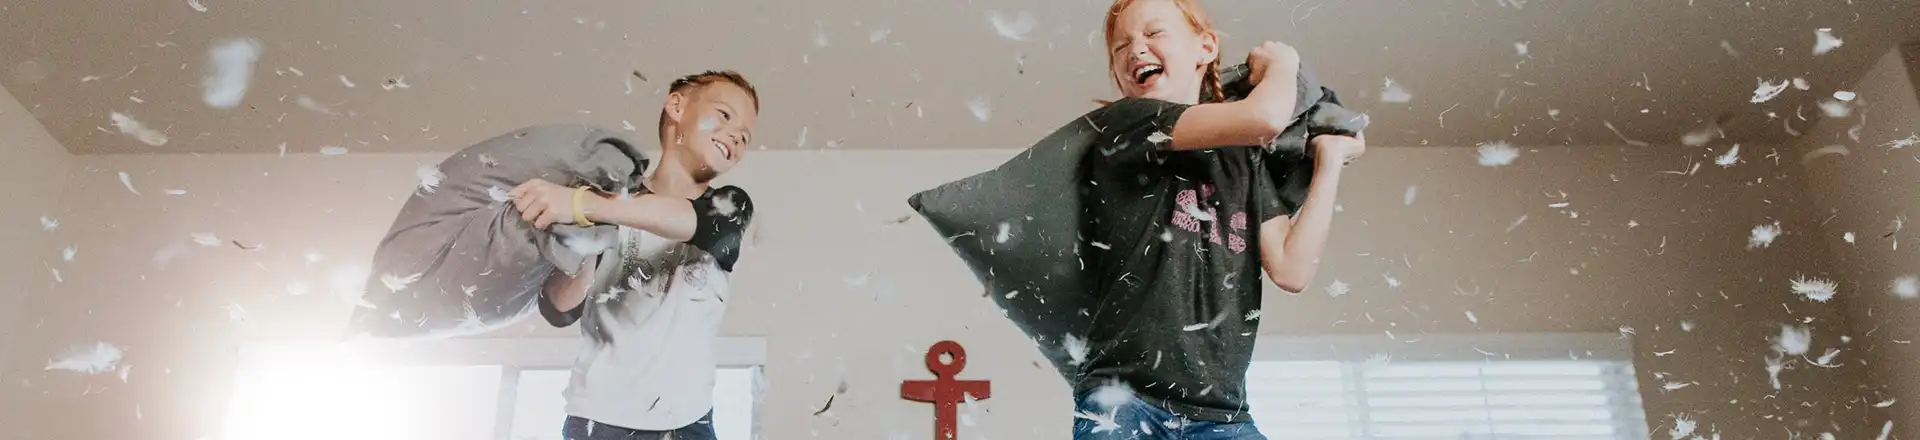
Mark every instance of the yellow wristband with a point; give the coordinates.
(579, 207)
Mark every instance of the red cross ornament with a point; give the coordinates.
(945, 392)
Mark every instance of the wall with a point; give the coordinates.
(835, 286)
(32, 170)
(1868, 193)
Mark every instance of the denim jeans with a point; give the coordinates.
(1117, 414)
(583, 429)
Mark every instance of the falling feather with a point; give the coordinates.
(1848, 237)
(1826, 359)
(1521, 48)
(1158, 138)
(206, 239)
(176, 192)
(1700, 138)
(49, 223)
(1393, 92)
(1731, 157)
(398, 283)
(1412, 191)
(349, 284)
(1471, 318)
(1766, 91)
(430, 177)
(1844, 95)
(1885, 430)
(1775, 365)
(98, 358)
(1835, 109)
(1802, 84)
(1824, 41)
(1911, 140)
(499, 195)
(1497, 153)
(1076, 349)
(307, 102)
(1005, 233)
(195, 4)
(1793, 340)
(131, 127)
(1014, 27)
(232, 68)
(1675, 385)
(236, 313)
(1763, 235)
(333, 150)
(1682, 427)
(347, 82)
(127, 181)
(980, 107)
(1906, 287)
(68, 253)
(1884, 403)
(1337, 289)
(1815, 289)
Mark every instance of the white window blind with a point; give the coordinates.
(1584, 394)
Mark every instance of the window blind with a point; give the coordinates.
(1485, 399)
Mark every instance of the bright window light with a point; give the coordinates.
(341, 400)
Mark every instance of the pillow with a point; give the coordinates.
(458, 259)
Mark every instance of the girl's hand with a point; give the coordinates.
(544, 203)
(1268, 55)
(1335, 149)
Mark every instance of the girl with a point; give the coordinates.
(1184, 217)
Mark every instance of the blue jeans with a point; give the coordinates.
(1104, 414)
(583, 429)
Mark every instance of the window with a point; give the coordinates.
(460, 389)
(1466, 387)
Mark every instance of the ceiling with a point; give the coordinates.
(857, 74)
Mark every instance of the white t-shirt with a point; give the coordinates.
(651, 319)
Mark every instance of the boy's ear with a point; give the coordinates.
(1209, 47)
(675, 107)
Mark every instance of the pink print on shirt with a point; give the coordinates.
(1187, 203)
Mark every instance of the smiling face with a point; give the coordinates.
(712, 126)
(1157, 50)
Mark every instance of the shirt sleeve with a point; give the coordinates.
(1133, 131)
(557, 318)
(1279, 186)
(723, 217)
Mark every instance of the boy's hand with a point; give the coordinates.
(544, 203)
(1268, 55)
(1336, 149)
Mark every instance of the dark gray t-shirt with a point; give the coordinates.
(1175, 262)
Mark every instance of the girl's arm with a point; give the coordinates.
(1253, 121)
(1290, 246)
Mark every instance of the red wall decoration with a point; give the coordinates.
(945, 392)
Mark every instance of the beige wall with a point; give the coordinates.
(831, 283)
(32, 171)
(1865, 193)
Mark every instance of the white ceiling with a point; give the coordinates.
(870, 74)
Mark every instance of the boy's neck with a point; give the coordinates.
(673, 179)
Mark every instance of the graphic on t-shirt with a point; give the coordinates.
(1190, 216)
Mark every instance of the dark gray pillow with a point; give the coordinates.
(459, 260)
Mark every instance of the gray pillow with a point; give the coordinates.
(459, 260)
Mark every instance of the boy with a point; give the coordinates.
(647, 370)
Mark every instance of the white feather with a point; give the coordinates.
(1682, 427)
(347, 82)
(49, 223)
(1793, 340)
(1824, 41)
(430, 177)
(981, 108)
(1337, 289)
(1802, 84)
(95, 359)
(1906, 287)
(1835, 109)
(1158, 138)
(398, 283)
(499, 195)
(226, 83)
(68, 253)
(1766, 91)
(1775, 365)
(1763, 235)
(206, 239)
(1497, 153)
(1815, 289)
(1014, 27)
(1844, 95)
(195, 4)
(1395, 93)
(1911, 140)
(1076, 349)
(131, 127)
(1731, 157)
(127, 181)
(333, 150)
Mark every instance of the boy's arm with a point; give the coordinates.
(561, 300)
(714, 223)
